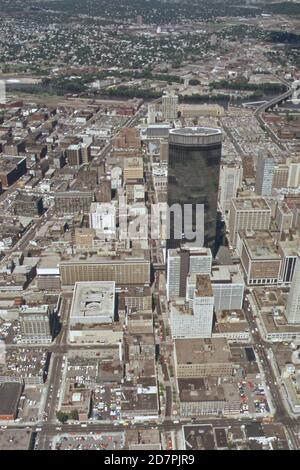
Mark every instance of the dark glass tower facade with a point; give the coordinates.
(193, 178)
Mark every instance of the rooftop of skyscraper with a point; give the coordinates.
(255, 203)
(203, 286)
(196, 131)
(260, 245)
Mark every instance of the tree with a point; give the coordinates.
(194, 82)
(62, 417)
(74, 415)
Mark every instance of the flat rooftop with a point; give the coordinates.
(229, 274)
(290, 248)
(15, 439)
(133, 162)
(27, 197)
(10, 393)
(102, 208)
(261, 245)
(8, 163)
(203, 286)
(93, 299)
(120, 258)
(200, 389)
(269, 297)
(142, 437)
(251, 203)
(230, 321)
(278, 324)
(49, 261)
(202, 351)
(196, 131)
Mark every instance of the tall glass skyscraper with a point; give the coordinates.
(193, 178)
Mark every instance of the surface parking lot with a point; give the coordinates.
(91, 441)
(253, 397)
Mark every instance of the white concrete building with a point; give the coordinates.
(200, 260)
(170, 106)
(35, 324)
(293, 303)
(231, 176)
(227, 285)
(181, 262)
(93, 303)
(103, 217)
(152, 113)
(195, 322)
(250, 213)
(264, 176)
(173, 274)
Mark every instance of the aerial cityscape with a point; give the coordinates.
(150, 227)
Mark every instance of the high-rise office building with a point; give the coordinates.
(182, 261)
(164, 151)
(35, 325)
(248, 214)
(170, 106)
(74, 155)
(227, 284)
(230, 181)
(133, 169)
(288, 251)
(260, 259)
(28, 205)
(194, 167)
(151, 117)
(86, 153)
(177, 270)
(195, 322)
(294, 174)
(293, 303)
(280, 176)
(264, 176)
(200, 260)
(284, 217)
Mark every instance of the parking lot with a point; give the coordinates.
(91, 441)
(10, 331)
(29, 403)
(253, 397)
(106, 403)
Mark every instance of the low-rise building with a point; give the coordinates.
(10, 393)
(195, 358)
(232, 325)
(93, 303)
(77, 402)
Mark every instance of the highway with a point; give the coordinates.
(264, 107)
(276, 100)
